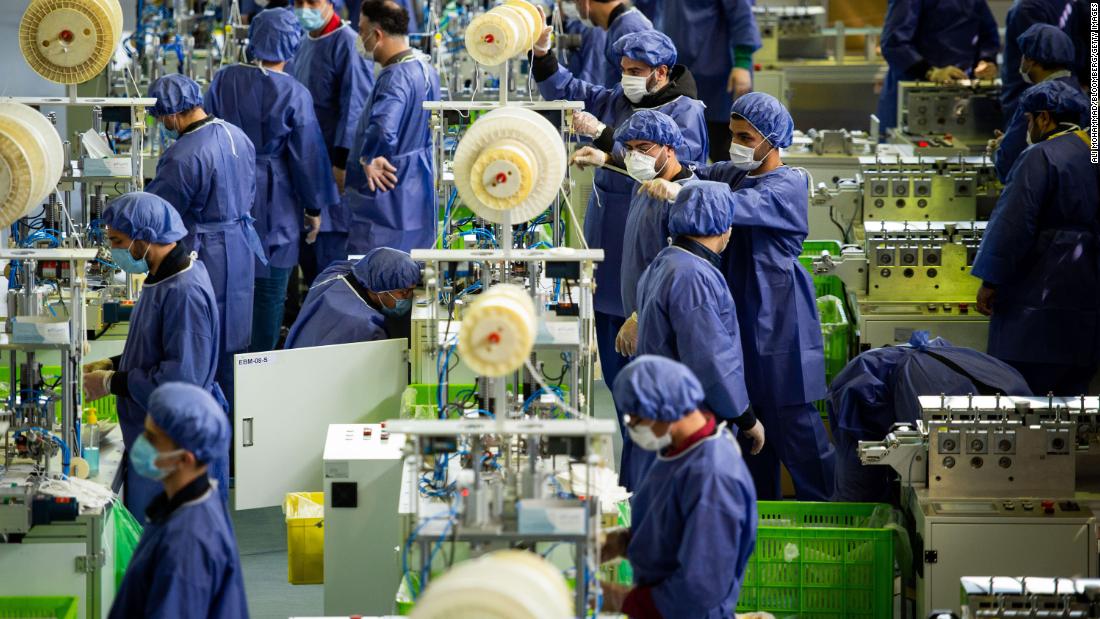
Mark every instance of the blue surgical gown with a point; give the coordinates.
(1015, 139)
(880, 388)
(775, 298)
(705, 33)
(588, 63)
(693, 529)
(1041, 250)
(685, 313)
(645, 236)
(396, 126)
(1023, 15)
(185, 566)
(173, 338)
(340, 81)
(605, 220)
(293, 172)
(932, 33)
(209, 175)
(335, 313)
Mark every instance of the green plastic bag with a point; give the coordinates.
(127, 534)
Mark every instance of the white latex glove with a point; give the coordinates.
(945, 75)
(755, 616)
(985, 70)
(756, 433)
(381, 175)
(102, 364)
(589, 156)
(994, 144)
(740, 82)
(545, 40)
(587, 125)
(626, 342)
(97, 384)
(313, 228)
(661, 189)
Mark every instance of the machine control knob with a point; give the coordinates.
(1048, 507)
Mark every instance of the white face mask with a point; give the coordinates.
(643, 437)
(743, 157)
(1025, 75)
(641, 166)
(635, 87)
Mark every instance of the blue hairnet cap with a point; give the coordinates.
(1054, 96)
(648, 46)
(1047, 45)
(651, 126)
(657, 388)
(274, 35)
(702, 208)
(175, 93)
(192, 418)
(768, 115)
(385, 268)
(145, 217)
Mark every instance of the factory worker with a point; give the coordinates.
(1021, 16)
(355, 7)
(1039, 260)
(186, 563)
(617, 18)
(390, 189)
(716, 40)
(775, 298)
(1048, 54)
(880, 388)
(652, 80)
(686, 313)
(294, 184)
(693, 519)
(351, 301)
(588, 62)
(174, 328)
(938, 41)
(209, 175)
(340, 81)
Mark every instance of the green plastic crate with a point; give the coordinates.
(836, 331)
(813, 249)
(821, 560)
(38, 607)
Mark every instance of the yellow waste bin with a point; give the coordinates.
(305, 537)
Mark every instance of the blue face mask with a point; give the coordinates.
(127, 262)
(170, 134)
(311, 19)
(400, 306)
(143, 457)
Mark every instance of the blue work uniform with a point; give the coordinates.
(609, 203)
(921, 34)
(173, 338)
(1023, 15)
(588, 62)
(624, 22)
(396, 126)
(340, 81)
(1041, 251)
(336, 311)
(693, 529)
(880, 387)
(1015, 138)
(646, 234)
(354, 12)
(186, 565)
(780, 326)
(293, 174)
(685, 313)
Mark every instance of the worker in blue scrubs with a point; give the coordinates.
(651, 79)
(617, 18)
(686, 313)
(355, 7)
(351, 301)
(940, 41)
(1048, 54)
(186, 564)
(774, 295)
(693, 519)
(1023, 15)
(209, 175)
(174, 330)
(1039, 260)
(587, 62)
(716, 40)
(294, 183)
(340, 81)
(390, 191)
(881, 387)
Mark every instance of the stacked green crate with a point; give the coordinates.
(836, 330)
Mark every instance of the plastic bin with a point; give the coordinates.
(821, 560)
(836, 331)
(38, 607)
(305, 537)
